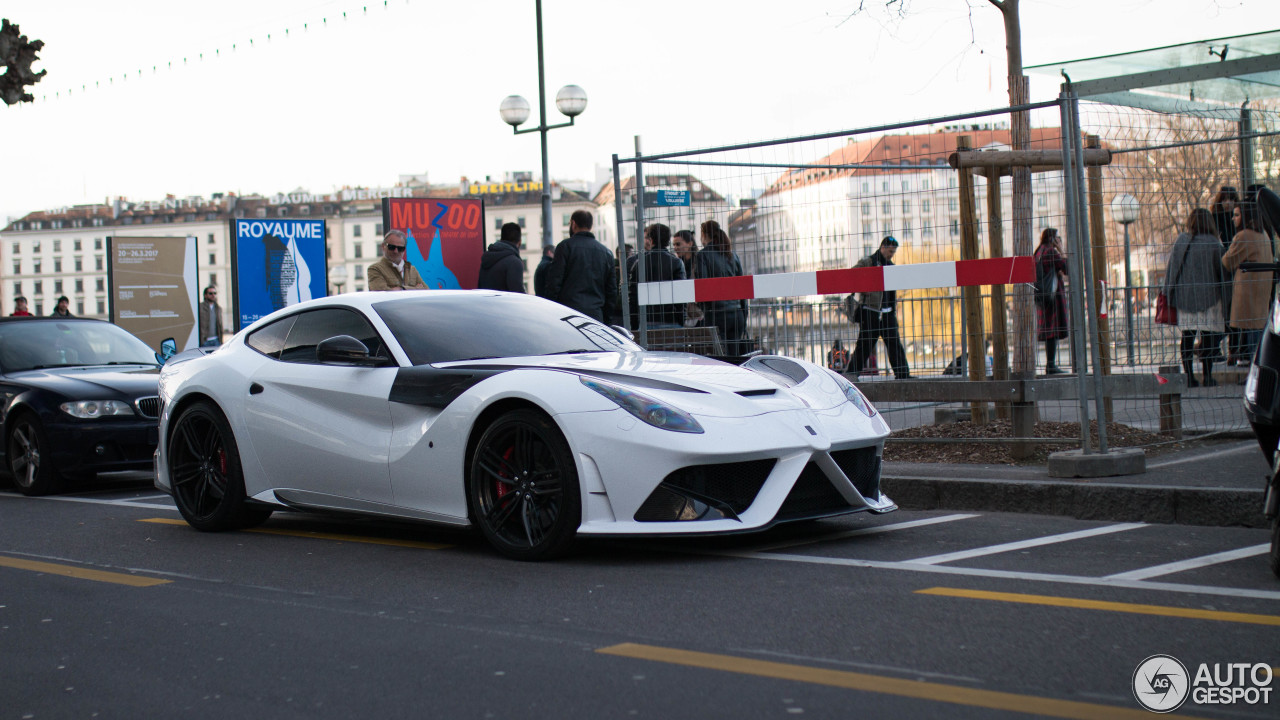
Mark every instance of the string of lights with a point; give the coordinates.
(215, 53)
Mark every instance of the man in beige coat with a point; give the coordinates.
(393, 271)
(1251, 293)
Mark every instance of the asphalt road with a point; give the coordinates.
(111, 607)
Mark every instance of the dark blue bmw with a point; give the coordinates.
(77, 397)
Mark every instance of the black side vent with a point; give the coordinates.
(757, 393)
(813, 496)
(863, 468)
(706, 492)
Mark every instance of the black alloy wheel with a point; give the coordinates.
(204, 470)
(523, 488)
(33, 474)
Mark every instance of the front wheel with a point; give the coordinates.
(523, 487)
(204, 469)
(29, 460)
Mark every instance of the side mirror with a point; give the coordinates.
(623, 332)
(346, 350)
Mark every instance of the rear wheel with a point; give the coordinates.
(523, 487)
(204, 469)
(29, 461)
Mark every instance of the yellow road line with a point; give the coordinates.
(1163, 610)
(81, 573)
(322, 536)
(937, 692)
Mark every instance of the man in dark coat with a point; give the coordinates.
(540, 273)
(878, 318)
(582, 274)
(500, 265)
(660, 265)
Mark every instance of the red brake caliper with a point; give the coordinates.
(222, 461)
(501, 489)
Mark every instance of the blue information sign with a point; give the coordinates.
(667, 198)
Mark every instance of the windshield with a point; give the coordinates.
(37, 344)
(472, 326)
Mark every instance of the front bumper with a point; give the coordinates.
(102, 446)
(742, 474)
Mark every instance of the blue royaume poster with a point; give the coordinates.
(277, 262)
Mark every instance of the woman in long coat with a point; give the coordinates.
(1051, 315)
(1251, 292)
(1194, 286)
(716, 259)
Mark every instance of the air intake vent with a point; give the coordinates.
(701, 492)
(757, 393)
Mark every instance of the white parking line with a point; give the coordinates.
(121, 503)
(1191, 564)
(1023, 544)
(1243, 447)
(864, 531)
(1009, 575)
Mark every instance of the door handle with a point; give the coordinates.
(254, 388)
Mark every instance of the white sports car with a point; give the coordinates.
(507, 412)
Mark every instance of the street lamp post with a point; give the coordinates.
(338, 277)
(570, 101)
(1124, 208)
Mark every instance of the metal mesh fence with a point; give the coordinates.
(825, 202)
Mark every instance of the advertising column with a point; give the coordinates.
(276, 263)
(154, 289)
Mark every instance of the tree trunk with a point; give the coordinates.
(1024, 356)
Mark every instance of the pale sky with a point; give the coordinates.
(413, 86)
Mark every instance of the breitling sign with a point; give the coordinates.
(502, 187)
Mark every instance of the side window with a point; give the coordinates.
(312, 327)
(270, 339)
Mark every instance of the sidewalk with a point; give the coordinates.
(1217, 485)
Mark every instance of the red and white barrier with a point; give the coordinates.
(959, 273)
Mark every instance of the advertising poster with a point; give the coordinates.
(445, 238)
(154, 289)
(277, 262)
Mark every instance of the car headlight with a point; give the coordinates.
(1274, 325)
(653, 412)
(1251, 385)
(90, 409)
(854, 395)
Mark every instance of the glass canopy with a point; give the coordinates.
(1230, 71)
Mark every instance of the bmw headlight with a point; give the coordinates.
(1274, 325)
(653, 412)
(91, 409)
(854, 395)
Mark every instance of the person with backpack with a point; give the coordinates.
(878, 318)
(1051, 301)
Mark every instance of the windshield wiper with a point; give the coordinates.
(578, 351)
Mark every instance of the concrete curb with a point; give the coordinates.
(1084, 500)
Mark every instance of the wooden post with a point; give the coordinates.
(999, 314)
(1024, 322)
(1098, 233)
(972, 295)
